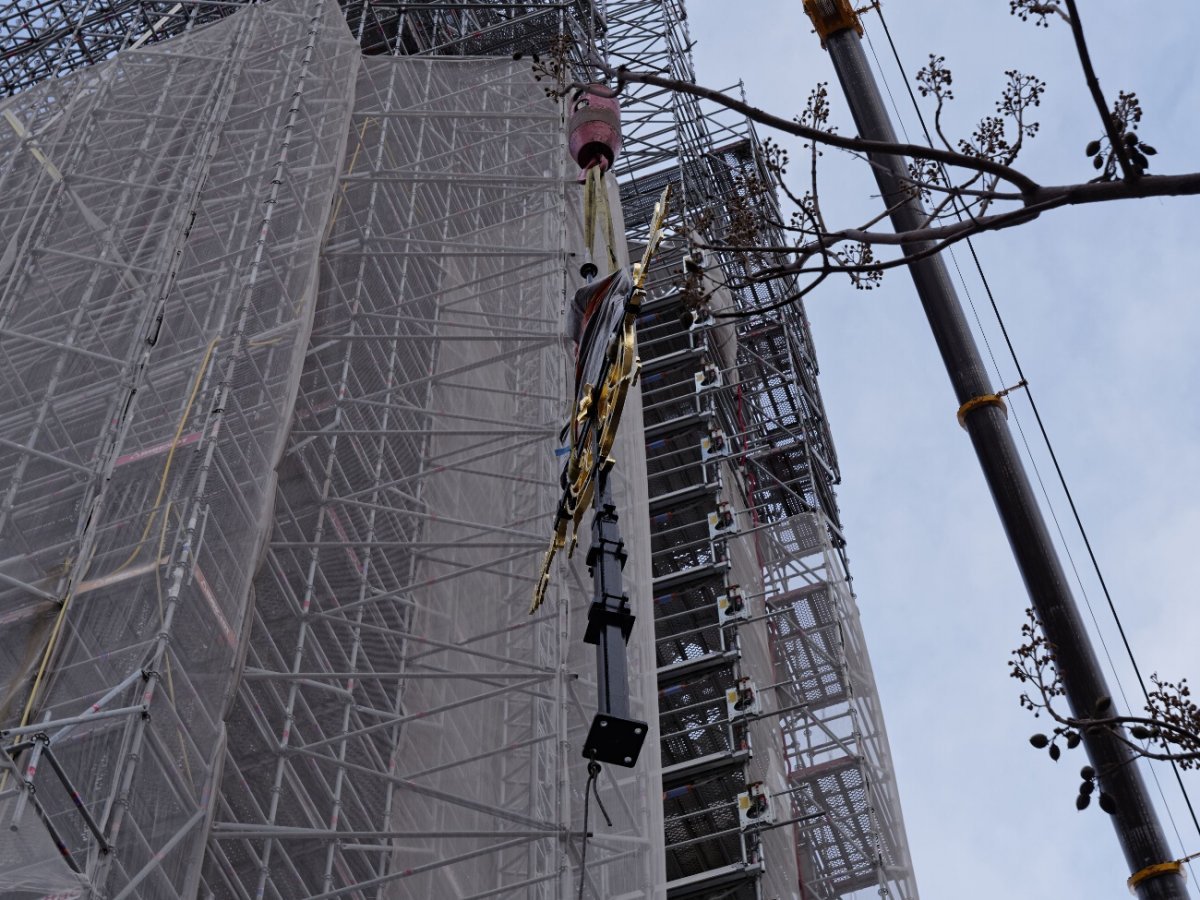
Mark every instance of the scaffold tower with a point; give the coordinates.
(281, 333)
(750, 590)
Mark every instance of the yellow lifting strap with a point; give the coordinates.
(595, 203)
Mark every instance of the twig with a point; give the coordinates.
(1093, 83)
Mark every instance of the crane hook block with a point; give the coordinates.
(594, 127)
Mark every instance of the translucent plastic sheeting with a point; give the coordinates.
(160, 220)
(404, 729)
(837, 764)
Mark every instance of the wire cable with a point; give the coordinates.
(1045, 438)
(56, 631)
(589, 789)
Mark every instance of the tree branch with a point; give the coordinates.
(1089, 73)
(1019, 180)
(1046, 198)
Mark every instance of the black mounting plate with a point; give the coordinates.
(615, 741)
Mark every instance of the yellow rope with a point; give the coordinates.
(609, 237)
(337, 206)
(595, 205)
(589, 208)
(162, 481)
(162, 484)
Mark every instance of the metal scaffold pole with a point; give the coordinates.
(983, 416)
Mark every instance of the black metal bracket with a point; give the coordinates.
(614, 737)
(601, 615)
(616, 549)
(614, 740)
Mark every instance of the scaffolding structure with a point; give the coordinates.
(749, 570)
(407, 728)
(155, 311)
(396, 301)
(286, 352)
(50, 38)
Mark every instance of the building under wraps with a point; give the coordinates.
(284, 370)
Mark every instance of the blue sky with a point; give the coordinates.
(1101, 304)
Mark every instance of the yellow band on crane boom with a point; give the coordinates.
(831, 16)
(975, 402)
(1175, 867)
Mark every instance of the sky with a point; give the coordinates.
(1101, 305)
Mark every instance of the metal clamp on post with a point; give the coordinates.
(616, 549)
(601, 615)
(831, 16)
(975, 402)
(1154, 871)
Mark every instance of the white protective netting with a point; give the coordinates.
(397, 695)
(248, 232)
(160, 219)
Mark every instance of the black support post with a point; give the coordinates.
(614, 737)
(1138, 829)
